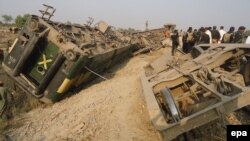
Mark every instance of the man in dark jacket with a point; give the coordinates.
(175, 41)
(188, 40)
(204, 38)
(215, 35)
(238, 37)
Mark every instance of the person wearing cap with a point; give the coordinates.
(239, 35)
(3, 97)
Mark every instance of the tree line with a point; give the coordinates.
(19, 21)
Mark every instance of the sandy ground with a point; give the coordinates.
(6, 39)
(111, 110)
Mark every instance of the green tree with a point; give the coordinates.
(20, 20)
(7, 18)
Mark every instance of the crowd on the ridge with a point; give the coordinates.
(205, 35)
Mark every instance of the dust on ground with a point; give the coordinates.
(110, 110)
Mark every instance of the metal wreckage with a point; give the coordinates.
(185, 93)
(48, 58)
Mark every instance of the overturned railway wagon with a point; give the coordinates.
(181, 96)
(48, 58)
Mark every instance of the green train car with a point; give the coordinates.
(49, 58)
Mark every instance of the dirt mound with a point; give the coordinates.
(110, 110)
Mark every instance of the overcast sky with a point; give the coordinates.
(134, 13)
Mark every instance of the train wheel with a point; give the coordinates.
(246, 74)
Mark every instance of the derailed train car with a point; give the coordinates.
(48, 58)
(181, 96)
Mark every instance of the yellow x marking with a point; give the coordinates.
(44, 62)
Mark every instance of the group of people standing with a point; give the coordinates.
(205, 35)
